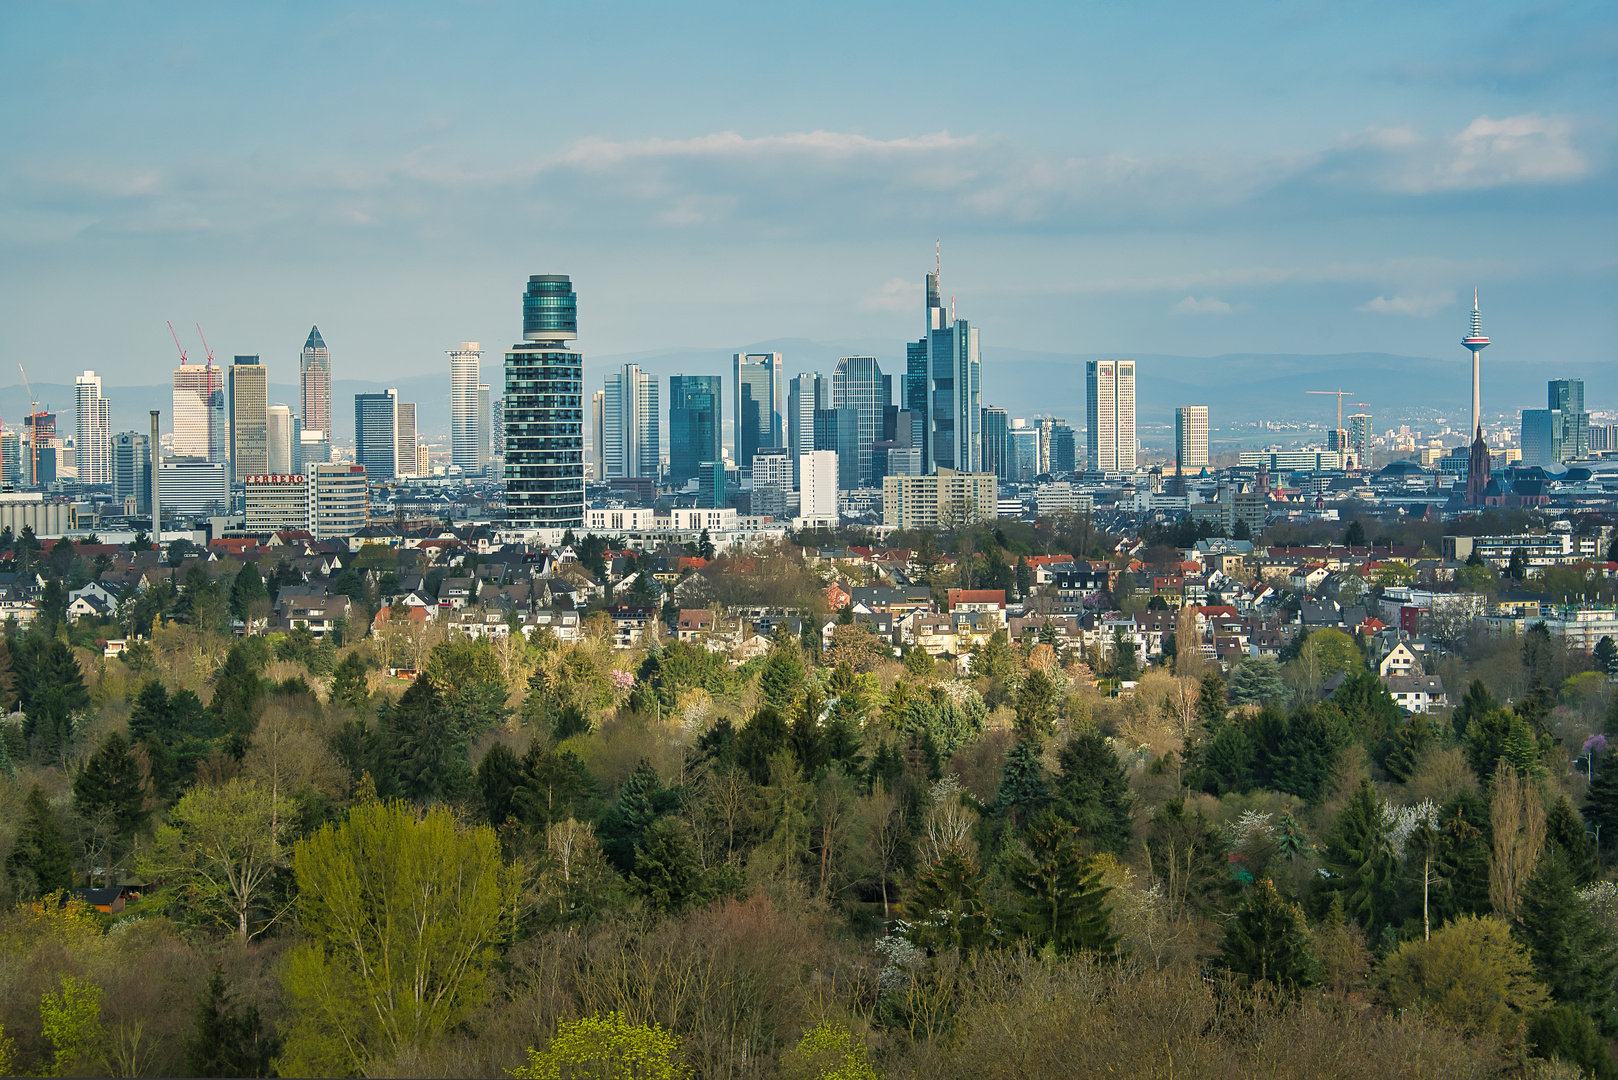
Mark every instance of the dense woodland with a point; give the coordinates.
(572, 860)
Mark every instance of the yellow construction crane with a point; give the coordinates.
(1340, 395)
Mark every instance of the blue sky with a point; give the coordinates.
(1191, 179)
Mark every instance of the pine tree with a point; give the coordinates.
(667, 870)
(1060, 893)
(246, 590)
(426, 750)
(623, 828)
(500, 774)
(781, 681)
(149, 717)
(40, 862)
(229, 1040)
(1575, 956)
(1477, 702)
(110, 785)
(1036, 707)
(1267, 941)
(944, 907)
(53, 694)
(1564, 830)
(1360, 857)
(1093, 793)
(1601, 800)
(350, 683)
(1211, 702)
(1023, 790)
(238, 693)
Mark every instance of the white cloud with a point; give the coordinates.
(896, 294)
(1487, 153)
(1421, 307)
(1208, 305)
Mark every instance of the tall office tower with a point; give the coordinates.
(772, 479)
(1110, 406)
(279, 440)
(839, 430)
(466, 451)
(497, 426)
(314, 448)
(1567, 397)
(598, 436)
(1541, 436)
(954, 434)
(759, 400)
(132, 470)
(92, 440)
(994, 441)
(314, 378)
(408, 460)
(817, 478)
(711, 485)
(544, 396)
(1062, 453)
(339, 499)
(249, 418)
(485, 412)
(1475, 343)
(11, 475)
(915, 391)
(1359, 438)
(1190, 439)
(631, 433)
(806, 394)
(695, 433)
(1025, 456)
(200, 427)
(376, 434)
(39, 464)
(858, 383)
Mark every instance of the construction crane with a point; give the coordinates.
(205, 344)
(33, 425)
(1337, 435)
(183, 358)
(1340, 394)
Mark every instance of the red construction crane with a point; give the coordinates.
(183, 358)
(205, 344)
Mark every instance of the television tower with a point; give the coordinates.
(1477, 343)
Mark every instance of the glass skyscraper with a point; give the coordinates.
(631, 436)
(857, 384)
(314, 378)
(468, 419)
(376, 434)
(92, 442)
(994, 442)
(1567, 397)
(249, 419)
(544, 411)
(758, 417)
(807, 394)
(694, 426)
(1190, 439)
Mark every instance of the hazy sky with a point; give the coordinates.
(1174, 178)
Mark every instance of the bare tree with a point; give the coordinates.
(1518, 816)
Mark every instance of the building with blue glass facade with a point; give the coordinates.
(694, 425)
(544, 411)
(376, 434)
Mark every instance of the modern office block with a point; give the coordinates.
(132, 469)
(631, 434)
(314, 448)
(194, 487)
(405, 464)
(314, 381)
(376, 434)
(818, 481)
(759, 419)
(805, 395)
(468, 446)
(201, 429)
(1567, 397)
(1061, 450)
(772, 479)
(275, 501)
(857, 383)
(92, 441)
(1359, 438)
(1190, 439)
(39, 431)
(954, 431)
(280, 442)
(1542, 437)
(1110, 407)
(338, 499)
(497, 425)
(943, 500)
(249, 418)
(838, 430)
(1024, 452)
(544, 411)
(711, 485)
(995, 445)
(11, 472)
(485, 427)
(695, 428)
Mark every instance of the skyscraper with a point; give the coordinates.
(132, 469)
(955, 399)
(806, 395)
(249, 419)
(485, 427)
(407, 463)
(857, 384)
(497, 424)
(1062, 452)
(1541, 436)
(631, 434)
(598, 444)
(695, 435)
(838, 430)
(1567, 397)
(1190, 438)
(759, 400)
(280, 444)
(1110, 409)
(376, 434)
(11, 472)
(1475, 342)
(314, 376)
(995, 426)
(467, 451)
(544, 413)
(1024, 451)
(200, 427)
(92, 439)
(1359, 438)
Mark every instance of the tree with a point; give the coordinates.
(827, 1051)
(70, 1020)
(781, 681)
(1607, 655)
(402, 916)
(1267, 940)
(608, 1048)
(1256, 681)
(1471, 974)
(1354, 535)
(349, 583)
(1359, 854)
(1566, 1034)
(1023, 790)
(1036, 707)
(945, 908)
(1517, 567)
(109, 787)
(1093, 793)
(39, 863)
(229, 1039)
(1573, 953)
(53, 694)
(247, 590)
(238, 691)
(668, 870)
(1059, 892)
(1517, 821)
(350, 683)
(226, 844)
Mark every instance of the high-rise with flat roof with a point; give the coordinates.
(1542, 436)
(249, 419)
(467, 411)
(695, 435)
(201, 430)
(92, 443)
(759, 419)
(376, 434)
(1110, 409)
(807, 394)
(857, 384)
(544, 411)
(281, 443)
(408, 461)
(995, 454)
(132, 469)
(1190, 438)
(314, 378)
(1567, 397)
(630, 430)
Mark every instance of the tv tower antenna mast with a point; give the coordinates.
(1476, 342)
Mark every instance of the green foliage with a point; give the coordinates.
(1267, 940)
(1059, 892)
(1257, 681)
(238, 688)
(1093, 793)
(945, 908)
(606, 1048)
(230, 1040)
(781, 681)
(246, 590)
(1023, 790)
(350, 683)
(1573, 953)
(1562, 1033)
(668, 867)
(53, 695)
(70, 1020)
(426, 748)
(1036, 707)
(108, 788)
(1189, 857)
(1471, 974)
(680, 666)
(1565, 833)
(401, 917)
(1367, 706)
(1359, 855)
(40, 862)
(828, 1051)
